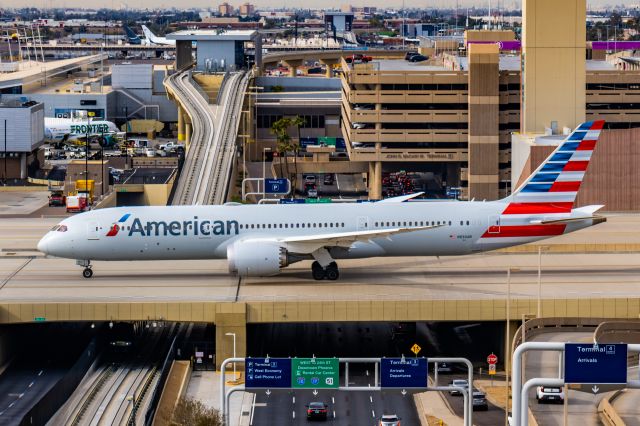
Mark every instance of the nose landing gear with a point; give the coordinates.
(86, 272)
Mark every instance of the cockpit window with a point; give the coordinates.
(62, 228)
(55, 228)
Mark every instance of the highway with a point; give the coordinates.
(583, 407)
(206, 172)
(358, 408)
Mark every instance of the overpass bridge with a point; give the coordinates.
(590, 273)
(294, 59)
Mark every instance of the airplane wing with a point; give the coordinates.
(310, 243)
(401, 198)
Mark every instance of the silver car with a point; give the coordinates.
(389, 420)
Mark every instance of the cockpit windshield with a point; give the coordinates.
(59, 228)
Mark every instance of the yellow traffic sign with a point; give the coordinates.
(416, 349)
(492, 369)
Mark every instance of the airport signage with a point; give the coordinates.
(292, 201)
(403, 373)
(315, 373)
(267, 372)
(276, 186)
(595, 363)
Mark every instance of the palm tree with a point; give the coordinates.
(297, 121)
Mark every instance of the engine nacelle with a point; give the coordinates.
(256, 258)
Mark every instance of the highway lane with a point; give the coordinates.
(583, 407)
(346, 408)
(492, 417)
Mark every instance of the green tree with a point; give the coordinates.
(285, 145)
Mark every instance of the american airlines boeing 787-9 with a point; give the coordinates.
(260, 240)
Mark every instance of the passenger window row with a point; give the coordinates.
(292, 225)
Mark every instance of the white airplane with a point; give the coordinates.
(72, 130)
(154, 39)
(260, 240)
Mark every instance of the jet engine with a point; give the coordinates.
(256, 258)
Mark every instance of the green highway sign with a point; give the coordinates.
(317, 200)
(39, 319)
(315, 373)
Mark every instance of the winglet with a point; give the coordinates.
(401, 198)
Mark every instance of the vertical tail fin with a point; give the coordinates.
(552, 187)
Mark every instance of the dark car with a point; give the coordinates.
(480, 401)
(57, 199)
(418, 58)
(328, 179)
(409, 55)
(317, 410)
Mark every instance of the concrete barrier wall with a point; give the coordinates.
(608, 415)
(327, 310)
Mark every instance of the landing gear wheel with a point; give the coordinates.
(87, 273)
(332, 272)
(317, 271)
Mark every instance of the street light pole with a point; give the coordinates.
(507, 351)
(234, 353)
(264, 170)
(6, 176)
(539, 313)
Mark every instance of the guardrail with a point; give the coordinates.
(537, 326)
(608, 415)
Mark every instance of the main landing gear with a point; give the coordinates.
(86, 272)
(319, 273)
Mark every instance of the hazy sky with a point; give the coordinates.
(280, 3)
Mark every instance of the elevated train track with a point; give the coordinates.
(206, 172)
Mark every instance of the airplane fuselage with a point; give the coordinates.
(205, 232)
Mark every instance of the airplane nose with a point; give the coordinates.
(43, 245)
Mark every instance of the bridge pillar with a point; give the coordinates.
(375, 180)
(230, 318)
(329, 63)
(293, 65)
(180, 123)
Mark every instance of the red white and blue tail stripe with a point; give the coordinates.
(553, 187)
(542, 207)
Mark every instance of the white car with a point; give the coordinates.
(549, 394)
(150, 152)
(460, 383)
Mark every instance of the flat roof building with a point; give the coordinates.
(217, 50)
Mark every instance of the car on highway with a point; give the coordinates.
(310, 179)
(389, 420)
(443, 367)
(358, 57)
(312, 193)
(317, 411)
(480, 401)
(549, 394)
(460, 383)
(418, 58)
